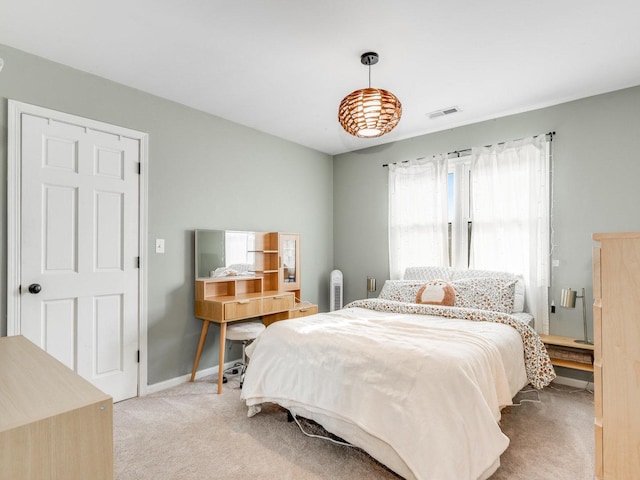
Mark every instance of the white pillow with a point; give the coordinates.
(427, 273)
(518, 299)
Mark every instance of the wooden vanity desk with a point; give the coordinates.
(230, 299)
(272, 292)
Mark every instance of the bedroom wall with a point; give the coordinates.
(596, 175)
(204, 172)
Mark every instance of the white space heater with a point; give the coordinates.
(335, 289)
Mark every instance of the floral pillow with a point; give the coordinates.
(401, 290)
(487, 293)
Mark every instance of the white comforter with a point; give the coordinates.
(431, 388)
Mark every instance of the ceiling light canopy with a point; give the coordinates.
(369, 112)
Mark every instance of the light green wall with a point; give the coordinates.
(204, 172)
(596, 162)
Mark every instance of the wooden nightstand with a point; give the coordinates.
(566, 352)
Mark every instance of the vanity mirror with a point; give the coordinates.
(220, 252)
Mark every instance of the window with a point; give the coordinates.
(503, 188)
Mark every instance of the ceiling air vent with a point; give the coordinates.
(443, 112)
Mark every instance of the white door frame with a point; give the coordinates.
(14, 210)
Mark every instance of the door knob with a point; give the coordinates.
(34, 288)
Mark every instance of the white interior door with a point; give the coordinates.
(79, 248)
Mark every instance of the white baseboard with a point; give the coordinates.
(173, 382)
(573, 382)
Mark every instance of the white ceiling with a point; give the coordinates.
(282, 67)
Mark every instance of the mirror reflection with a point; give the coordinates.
(289, 260)
(220, 253)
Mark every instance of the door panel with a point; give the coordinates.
(108, 236)
(108, 163)
(59, 219)
(108, 330)
(79, 241)
(58, 330)
(61, 152)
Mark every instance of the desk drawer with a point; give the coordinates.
(303, 311)
(242, 309)
(277, 303)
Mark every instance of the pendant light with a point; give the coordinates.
(369, 112)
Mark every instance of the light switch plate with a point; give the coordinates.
(159, 245)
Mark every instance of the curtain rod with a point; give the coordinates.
(467, 151)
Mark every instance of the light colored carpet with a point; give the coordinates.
(189, 432)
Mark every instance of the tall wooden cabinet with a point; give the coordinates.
(616, 315)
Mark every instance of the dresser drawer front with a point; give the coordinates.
(277, 303)
(242, 309)
(597, 390)
(599, 453)
(597, 331)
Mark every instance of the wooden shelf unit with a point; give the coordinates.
(267, 258)
(569, 344)
(228, 287)
(277, 258)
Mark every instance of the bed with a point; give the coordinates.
(419, 387)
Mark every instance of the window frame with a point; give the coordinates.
(458, 235)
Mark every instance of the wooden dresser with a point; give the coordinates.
(53, 423)
(616, 315)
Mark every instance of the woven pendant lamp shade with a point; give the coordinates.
(369, 112)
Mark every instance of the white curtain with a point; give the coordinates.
(460, 220)
(510, 212)
(417, 214)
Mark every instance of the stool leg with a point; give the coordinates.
(244, 355)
